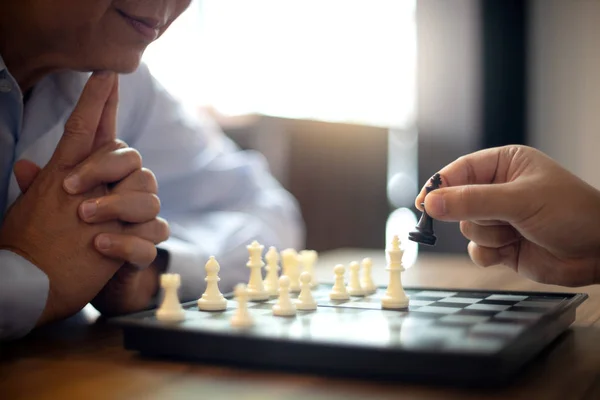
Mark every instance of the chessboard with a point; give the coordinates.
(457, 337)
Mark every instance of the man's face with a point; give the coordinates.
(97, 34)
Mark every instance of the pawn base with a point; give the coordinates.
(280, 312)
(356, 292)
(241, 322)
(306, 306)
(170, 316)
(339, 296)
(218, 305)
(256, 295)
(394, 304)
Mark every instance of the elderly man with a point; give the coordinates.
(80, 214)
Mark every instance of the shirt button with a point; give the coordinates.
(5, 86)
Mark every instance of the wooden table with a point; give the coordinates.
(82, 358)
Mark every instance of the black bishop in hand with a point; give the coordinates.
(424, 229)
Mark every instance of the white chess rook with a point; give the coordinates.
(242, 317)
(308, 259)
(305, 300)
(212, 299)
(170, 310)
(366, 280)
(284, 306)
(271, 281)
(256, 288)
(289, 262)
(395, 297)
(354, 288)
(339, 292)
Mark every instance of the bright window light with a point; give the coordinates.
(334, 60)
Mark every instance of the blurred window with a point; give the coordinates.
(334, 60)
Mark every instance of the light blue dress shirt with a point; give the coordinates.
(216, 198)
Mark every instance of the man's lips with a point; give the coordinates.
(147, 27)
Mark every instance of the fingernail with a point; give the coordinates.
(71, 183)
(88, 209)
(436, 204)
(103, 242)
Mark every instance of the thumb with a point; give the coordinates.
(25, 172)
(501, 201)
(80, 129)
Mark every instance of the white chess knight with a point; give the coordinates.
(212, 299)
(366, 280)
(308, 258)
(271, 281)
(242, 317)
(354, 288)
(395, 297)
(284, 307)
(305, 299)
(256, 288)
(170, 309)
(339, 292)
(289, 265)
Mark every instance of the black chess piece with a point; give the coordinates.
(424, 229)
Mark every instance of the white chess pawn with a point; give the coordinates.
(212, 299)
(395, 297)
(354, 288)
(256, 289)
(339, 292)
(305, 300)
(366, 280)
(308, 258)
(272, 279)
(284, 307)
(170, 310)
(241, 318)
(289, 262)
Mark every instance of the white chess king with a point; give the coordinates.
(395, 297)
(170, 310)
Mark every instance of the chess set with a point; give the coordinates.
(355, 328)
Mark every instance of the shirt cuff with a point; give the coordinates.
(23, 295)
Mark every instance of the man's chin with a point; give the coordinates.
(124, 64)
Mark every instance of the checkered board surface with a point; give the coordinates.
(462, 323)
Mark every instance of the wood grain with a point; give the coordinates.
(83, 356)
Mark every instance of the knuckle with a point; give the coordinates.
(162, 230)
(147, 181)
(134, 158)
(76, 124)
(465, 229)
(153, 203)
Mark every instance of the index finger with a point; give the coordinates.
(107, 126)
(480, 167)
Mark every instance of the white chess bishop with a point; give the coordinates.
(256, 288)
(355, 288)
(366, 281)
(395, 297)
(170, 309)
(212, 299)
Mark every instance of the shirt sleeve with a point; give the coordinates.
(216, 197)
(23, 294)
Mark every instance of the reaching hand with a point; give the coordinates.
(520, 208)
(43, 226)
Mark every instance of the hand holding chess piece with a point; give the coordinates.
(424, 229)
(521, 209)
